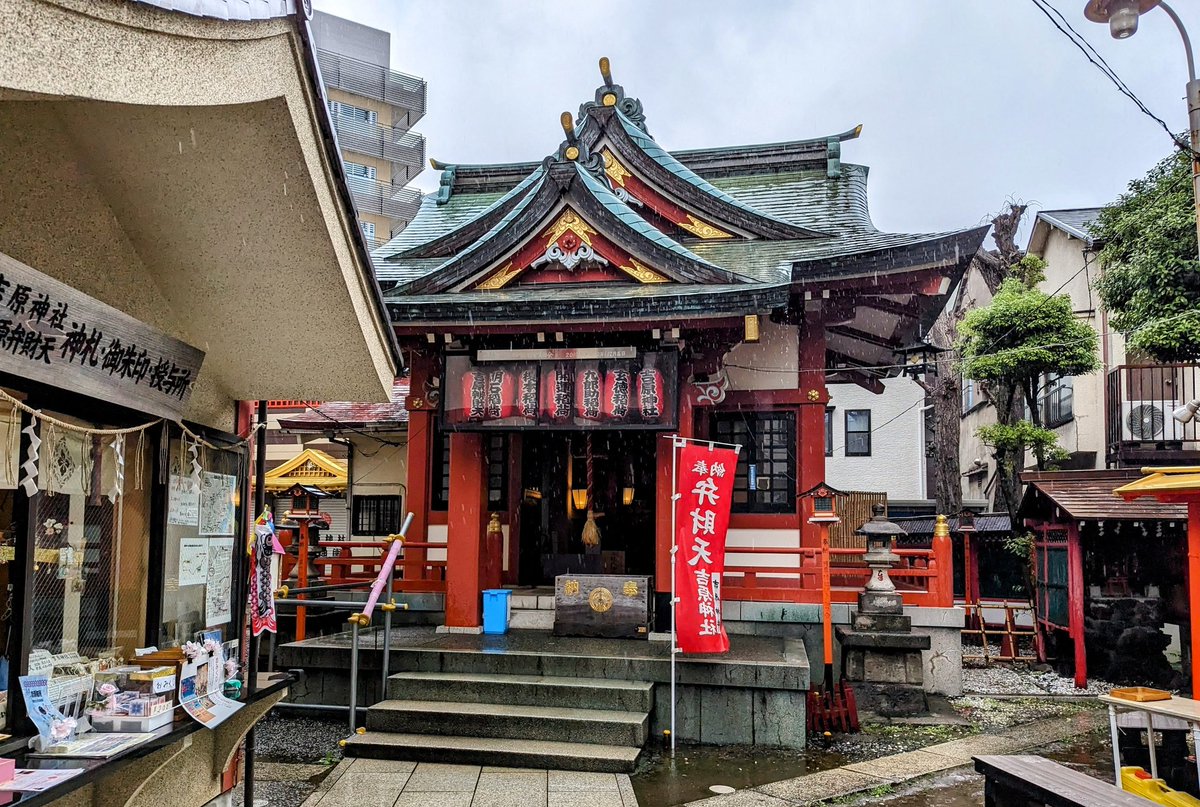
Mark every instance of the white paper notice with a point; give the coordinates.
(183, 502)
(193, 561)
(217, 513)
(219, 592)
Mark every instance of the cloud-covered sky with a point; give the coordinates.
(964, 103)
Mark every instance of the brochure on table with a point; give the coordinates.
(200, 691)
(31, 780)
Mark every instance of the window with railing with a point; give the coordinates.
(765, 481)
(1057, 401)
(858, 432)
(968, 395)
(358, 170)
(368, 228)
(352, 112)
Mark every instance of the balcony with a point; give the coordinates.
(384, 199)
(1139, 426)
(405, 150)
(372, 81)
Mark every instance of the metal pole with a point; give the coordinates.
(387, 631)
(1193, 101)
(674, 548)
(353, 710)
(255, 642)
(1115, 733)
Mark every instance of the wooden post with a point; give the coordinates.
(1075, 602)
(420, 443)
(664, 490)
(302, 579)
(826, 608)
(1194, 585)
(465, 525)
(810, 434)
(943, 557)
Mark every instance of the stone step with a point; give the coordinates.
(508, 721)
(524, 690)
(530, 620)
(492, 751)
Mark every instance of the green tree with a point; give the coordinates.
(1014, 344)
(1150, 281)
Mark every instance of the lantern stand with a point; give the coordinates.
(829, 708)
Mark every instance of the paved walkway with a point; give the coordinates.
(384, 783)
(817, 788)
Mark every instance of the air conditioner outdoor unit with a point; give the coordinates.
(1150, 422)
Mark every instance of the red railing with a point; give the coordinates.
(414, 571)
(923, 576)
(292, 404)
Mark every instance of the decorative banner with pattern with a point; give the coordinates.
(262, 594)
(704, 485)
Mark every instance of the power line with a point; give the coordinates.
(1093, 56)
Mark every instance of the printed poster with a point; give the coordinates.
(704, 488)
(183, 502)
(49, 721)
(200, 692)
(31, 780)
(218, 593)
(218, 515)
(193, 561)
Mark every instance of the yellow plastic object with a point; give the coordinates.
(1137, 781)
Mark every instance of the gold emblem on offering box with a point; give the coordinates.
(601, 599)
(630, 589)
(570, 587)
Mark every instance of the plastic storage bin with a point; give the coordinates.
(495, 610)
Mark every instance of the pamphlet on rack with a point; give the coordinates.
(30, 780)
(200, 691)
(95, 746)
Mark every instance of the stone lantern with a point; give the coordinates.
(881, 537)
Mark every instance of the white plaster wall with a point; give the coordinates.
(897, 462)
(770, 363)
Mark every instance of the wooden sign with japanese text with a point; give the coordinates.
(52, 333)
(608, 606)
(704, 488)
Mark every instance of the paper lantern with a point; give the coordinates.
(588, 389)
(527, 393)
(618, 389)
(501, 395)
(650, 394)
(474, 394)
(557, 394)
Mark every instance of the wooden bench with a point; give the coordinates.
(1026, 781)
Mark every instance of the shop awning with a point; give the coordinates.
(182, 169)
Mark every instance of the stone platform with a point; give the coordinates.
(753, 695)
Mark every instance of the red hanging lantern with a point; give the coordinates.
(557, 389)
(474, 395)
(527, 392)
(501, 394)
(588, 389)
(618, 389)
(650, 394)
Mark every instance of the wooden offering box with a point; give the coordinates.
(600, 605)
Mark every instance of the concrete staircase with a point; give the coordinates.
(526, 721)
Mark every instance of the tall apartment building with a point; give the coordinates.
(374, 109)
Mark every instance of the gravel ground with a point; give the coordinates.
(993, 714)
(1021, 679)
(289, 738)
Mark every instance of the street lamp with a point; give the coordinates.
(1122, 19)
(1187, 412)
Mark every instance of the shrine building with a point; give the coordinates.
(561, 317)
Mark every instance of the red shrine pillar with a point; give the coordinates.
(420, 447)
(466, 522)
(664, 488)
(810, 432)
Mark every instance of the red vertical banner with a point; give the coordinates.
(704, 485)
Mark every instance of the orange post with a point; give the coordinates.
(826, 607)
(942, 583)
(302, 579)
(1194, 584)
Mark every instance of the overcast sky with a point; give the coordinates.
(964, 103)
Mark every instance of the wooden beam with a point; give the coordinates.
(890, 306)
(863, 336)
